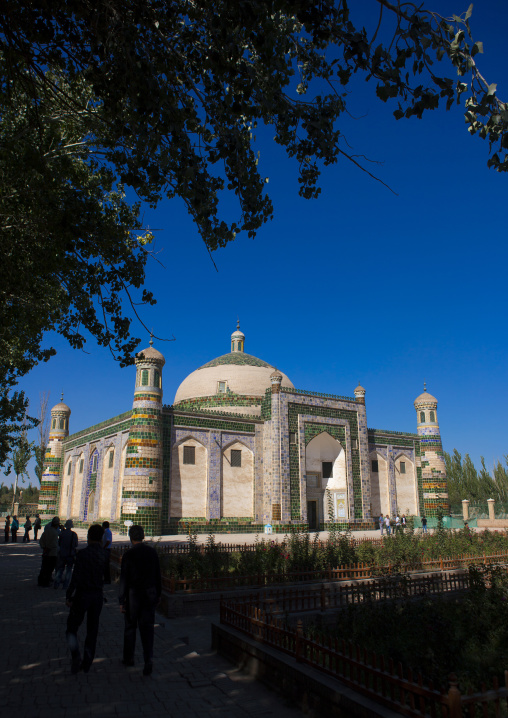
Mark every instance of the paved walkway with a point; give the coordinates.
(189, 679)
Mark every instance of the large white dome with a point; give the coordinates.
(233, 373)
(250, 377)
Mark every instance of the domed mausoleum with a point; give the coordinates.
(241, 448)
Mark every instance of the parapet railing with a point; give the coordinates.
(360, 571)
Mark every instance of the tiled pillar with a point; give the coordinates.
(214, 475)
(435, 490)
(142, 486)
(52, 474)
(392, 488)
(276, 380)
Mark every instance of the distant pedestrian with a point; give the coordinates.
(14, 529)
(387, 525)
(107, 542)
(49, 544)
(37, 526)
(7, 528)
(84, 596)
(397, 523)
(28, 528)
(67, 549)
(381, 523)
(140, 592)
(403, 522)
(424, 525)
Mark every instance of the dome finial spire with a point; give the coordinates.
(151, 338)
(61, 398)
(424, 386)
(237, 338)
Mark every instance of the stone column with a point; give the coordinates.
(465, 509)
(492, 513)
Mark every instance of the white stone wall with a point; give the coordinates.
(406, 486)
(238, 483)
(189, 482)
(77, 484)
(106, 482)
(379, 491)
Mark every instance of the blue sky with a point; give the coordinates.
(359, 284)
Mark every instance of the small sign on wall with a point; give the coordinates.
(129, 508)
(268, 528)
(340, 505)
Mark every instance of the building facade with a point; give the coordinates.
(240, 448)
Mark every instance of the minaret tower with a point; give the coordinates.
(142, 487)
(51, 476)
(434, 486)
(238, 339)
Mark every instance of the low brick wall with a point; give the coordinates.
(492, 523)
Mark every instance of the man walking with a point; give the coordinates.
(387, 525)
(49, 544)
(28, 528)
(381, 523)
(84, 596)
(37, 526)
(140, 591)
(67, 548)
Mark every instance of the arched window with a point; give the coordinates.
(432, 417)
(156, 379)
(422, 417)
(53, 426)
(94, 464)
(111, 458)
(144, 377)
(61, 423)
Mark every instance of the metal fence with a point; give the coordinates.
(392, 685)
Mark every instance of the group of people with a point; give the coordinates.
(59, 551)
(83, 574)
(387, 524)
(397, 524)
(12, 527)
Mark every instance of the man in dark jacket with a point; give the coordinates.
(37, 526)
(140, 591)
(84, 595)
(49, 544)
(67, 549)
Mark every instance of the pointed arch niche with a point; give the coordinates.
(325, 469)
(65, 489)
(189, 479)
(108, 472)
(77, 486)
(406, 484)
(379, 489)
(116, 511)
(237, 481)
